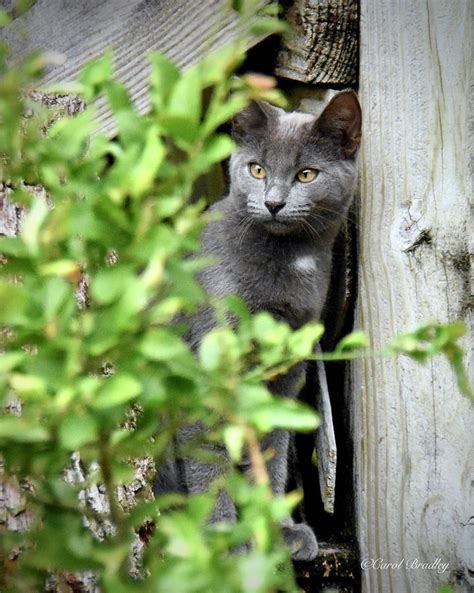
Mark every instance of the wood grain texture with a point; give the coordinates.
(325, 441)
(323, 47)
(413, 430)
(81, 31)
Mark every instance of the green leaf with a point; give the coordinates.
(71, 136)
(4, 18)
(118, 97)
(180, 127)
(13, 246)
(269, 26)
(455, 355)
(118, 389)
(95, 74)
(234, 437)
(353, 341)
(238, 307)
(13, 303)
(143, 174)
(268, 331)
(284, 413)
(162, 344)
(185, 97)
(28, 386)
(30, 228)
(219, 113)
(216, 67)
(437, 338)
(301, 342)
(76, 430)
(164, 75)
(219, 349)
(238, 5)
(9, 360)
(110, 284)
(64, 268)
(20, 430)
(216, 149)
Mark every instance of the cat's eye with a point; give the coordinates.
(306, 175)
(257, 171)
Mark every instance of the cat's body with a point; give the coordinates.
(273, 243)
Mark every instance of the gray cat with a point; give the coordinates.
(292, 178)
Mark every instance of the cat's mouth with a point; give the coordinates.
(278, 223)
(278, 226)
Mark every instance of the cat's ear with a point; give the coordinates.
(253, 121)
(341, 120)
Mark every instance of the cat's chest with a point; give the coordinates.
(288, 287)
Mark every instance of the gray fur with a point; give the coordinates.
(278, 262)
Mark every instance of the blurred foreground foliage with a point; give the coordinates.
(117, 217)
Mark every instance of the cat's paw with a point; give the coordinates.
(301, 541)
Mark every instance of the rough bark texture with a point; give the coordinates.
(413, 430)
(323, 47)
(10, 213)
(14, 513)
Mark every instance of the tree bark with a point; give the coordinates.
(14, 512)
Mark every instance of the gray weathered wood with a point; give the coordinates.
(184, 30)
(325, 442)
(323, 46)
(413, 430)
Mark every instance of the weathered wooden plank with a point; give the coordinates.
(323, 47)
(325, 442)
(413, 431)
(80, 31)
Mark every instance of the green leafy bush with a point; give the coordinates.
(118, 218)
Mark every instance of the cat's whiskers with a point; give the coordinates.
(326, 209)
(322, 219)
(246, 223)
(313, 232)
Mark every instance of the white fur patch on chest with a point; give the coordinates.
(304, 265)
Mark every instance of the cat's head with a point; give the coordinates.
(293, 172)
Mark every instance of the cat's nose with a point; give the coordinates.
(274, 206)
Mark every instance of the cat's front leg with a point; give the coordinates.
(199, 475)
(299, 537)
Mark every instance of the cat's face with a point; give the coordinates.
(293, 172)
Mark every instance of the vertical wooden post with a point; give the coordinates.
(414, 443)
